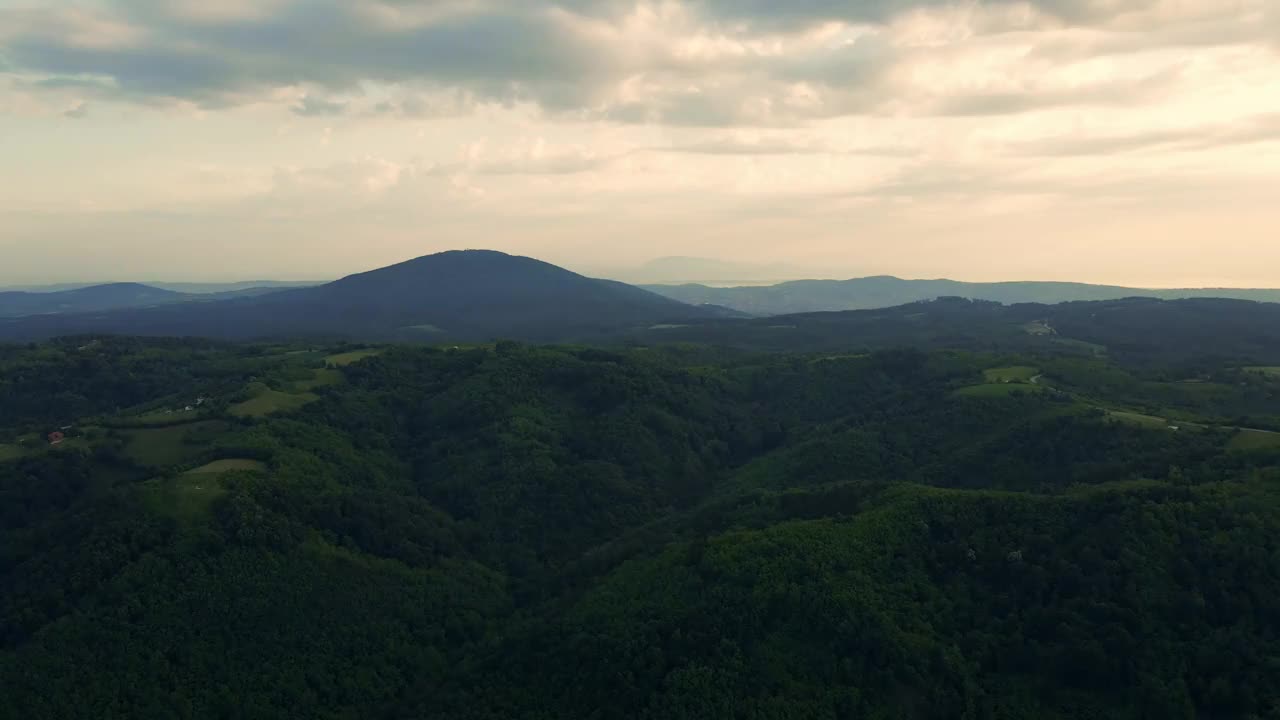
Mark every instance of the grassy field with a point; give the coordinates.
(218, 467)
(270, 401)
(1001, 389)
(159, 447)
(1255, 440)
(186, 497)
(1015, 374)
(323, 378)
(1270, 371)
(11, 452)
(347, 358)
(161, 416)
(1037, 328)
(1092, 348)
(1138, 419)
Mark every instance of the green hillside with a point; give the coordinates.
(513, 531)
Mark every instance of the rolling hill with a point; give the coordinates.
(88, 299)
(190, 288)
(886, 291)
(117, 296)
(456, 295)
(1132, 330)
(582, 533)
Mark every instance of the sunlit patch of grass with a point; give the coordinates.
(159, 447)
(347, 358)
(1002, 389)
(270, 401)
(1138, 419)
(217, 467)
(1246, 440)
(1015, 374)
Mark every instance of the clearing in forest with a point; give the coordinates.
(1248, 439)
(999, 389)
(1137, 419)
(186, 497)
(1014, 374)
(270, 401)
(348, 358)
(323, 378)
(218, 467)
(158, 447)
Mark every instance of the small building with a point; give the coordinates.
(56, 437)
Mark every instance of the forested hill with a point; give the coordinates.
(1133, 330)
(119, 296)
(456, 295)
(868, 293)
(508, 531)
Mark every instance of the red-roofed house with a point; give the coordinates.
(56, 437)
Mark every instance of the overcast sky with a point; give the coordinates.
(1124, 141)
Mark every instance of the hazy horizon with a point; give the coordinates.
(1122, 142)
(634, 275)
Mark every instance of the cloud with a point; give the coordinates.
(1040, 95)
(311, 106)
(1263, 128)
(781, 145)
(80, 110)
(697, 63)
(800, 14)
(327, 43)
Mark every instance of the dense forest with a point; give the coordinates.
(679, 531)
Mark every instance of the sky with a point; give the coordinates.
(1121, 141)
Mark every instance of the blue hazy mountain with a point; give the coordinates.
(468, 294)
(886, 291)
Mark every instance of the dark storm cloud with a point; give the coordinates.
(498, 55)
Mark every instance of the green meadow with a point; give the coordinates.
(349, 358)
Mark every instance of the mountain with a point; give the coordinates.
(457, 295)
(242, 286)
(886, 291)
(89, 299)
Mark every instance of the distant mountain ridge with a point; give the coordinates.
(111, 296)
(707, 271)
(1131, 330)
(89, 299)
(461, 294)
(884, 291)
(193, 288)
